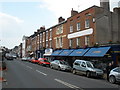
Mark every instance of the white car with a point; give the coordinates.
(114, 75)
(60, 65)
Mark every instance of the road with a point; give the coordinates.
(21, 74)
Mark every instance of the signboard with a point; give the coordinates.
(48, 52)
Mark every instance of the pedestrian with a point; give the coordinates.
(108, 69)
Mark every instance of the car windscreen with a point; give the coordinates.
(89, 65)
(63, 62)
(45, 60)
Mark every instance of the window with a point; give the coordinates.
(59, 29)
(61, 42)
(50, 43)
(41, 38)
(83, 64)
(47, 44)
(78, 41)
(57, 42)
(70, 42)
(87, 23)
(71, 28)
(46, 35)
(87, 40)
(78, 26)
(50, 33)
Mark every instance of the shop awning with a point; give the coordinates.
(97, 52)
(56, 53)
(79, 52)
(66, 52)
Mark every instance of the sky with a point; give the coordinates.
(24, 17)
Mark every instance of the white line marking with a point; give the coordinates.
(29, 67)
(41, 72)
(68, 85)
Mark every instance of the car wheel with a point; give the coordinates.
(112, 79)
(88, 74)
(51, 66)
(59, 68)
(74, 71)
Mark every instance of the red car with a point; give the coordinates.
(34, 61)
(43, 62)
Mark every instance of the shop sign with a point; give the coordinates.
(97, 52)
(48, 51)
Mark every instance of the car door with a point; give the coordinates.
(76, 66)
(118, 74)
(83, 68)
(55, 64)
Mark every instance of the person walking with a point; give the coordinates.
(108, 69)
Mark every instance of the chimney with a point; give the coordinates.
(105, 4)
(60, 19)
(42, 28)
(73, 12)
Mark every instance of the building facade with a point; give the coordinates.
(95, 26)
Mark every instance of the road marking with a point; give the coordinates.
(29, 67)
(41, 72)
(68, 85)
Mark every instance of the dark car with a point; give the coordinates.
(43, 62)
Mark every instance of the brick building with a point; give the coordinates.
(85, 29)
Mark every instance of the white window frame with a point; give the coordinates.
(71, 28)
(46, 35)
(78, 26)
(78, 41)
(46, 44)
(87, 40)
(87, 23)
(61, 42)
(70, 42)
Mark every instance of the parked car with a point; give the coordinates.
(43, 62)
(24, 59)
(86, 68)
(114, 75)
(30, 59)
(60, 65)
(34, 61)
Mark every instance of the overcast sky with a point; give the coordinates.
(23, 17)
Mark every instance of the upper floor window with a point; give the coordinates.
(78, 26)
(87, 23)
(57, 42)
(43, 36)
(71, 28)
(40, 37)
(50, 33)
(61, 42)
(70, 42)
(78, 41)
(87, 40)
(59, 29)
(47, 44)
(46, 35)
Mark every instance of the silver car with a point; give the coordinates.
(86, 68)
(60, 65)
(114, 75)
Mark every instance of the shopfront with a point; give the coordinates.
(48, 53)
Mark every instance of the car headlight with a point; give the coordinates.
(63, 66)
